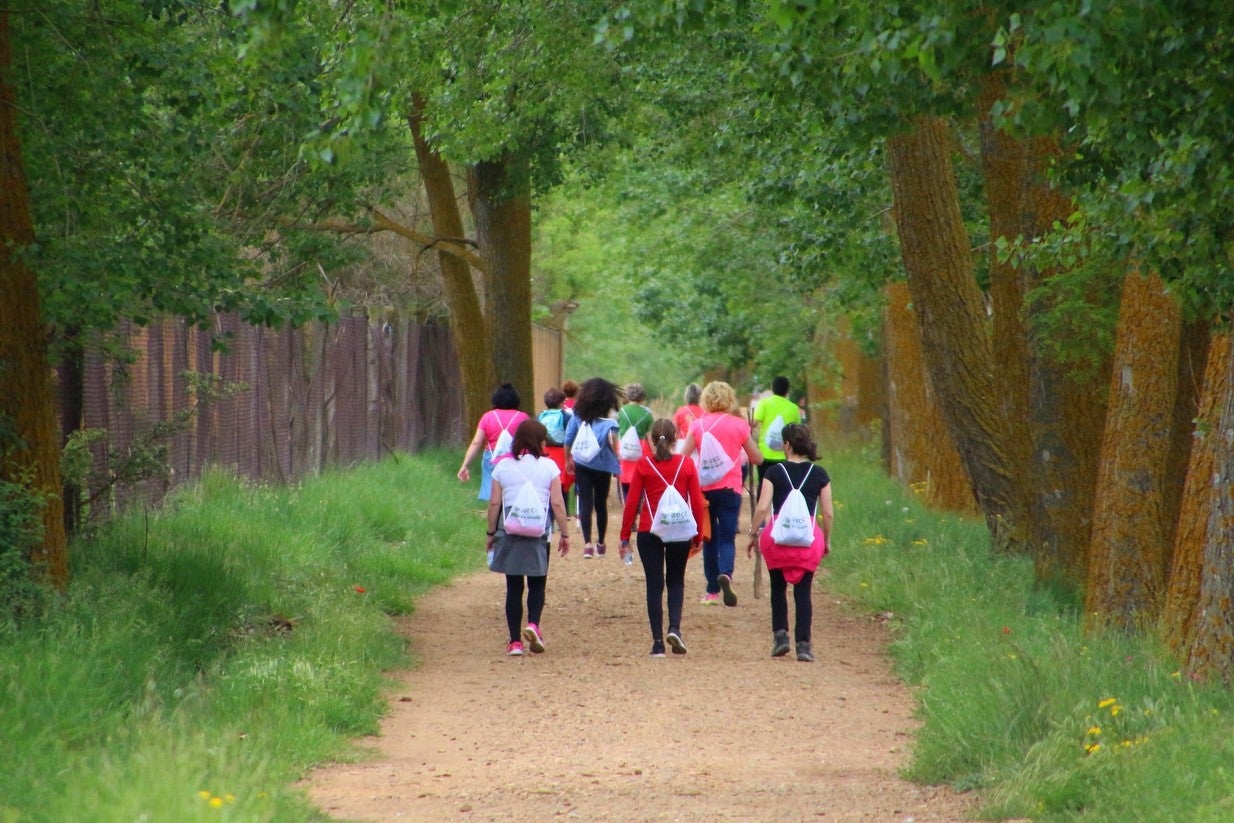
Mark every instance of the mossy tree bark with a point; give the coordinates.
(1182, 603)
(1055, 418)
(923, 454)
(1126, 572)
(501, 203)
(471, 337)
(28, 438)
(935, 247)
(1210, 651)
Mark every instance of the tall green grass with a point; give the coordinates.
(1017, 702)
(207, 654)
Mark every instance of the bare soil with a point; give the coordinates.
(595, 729)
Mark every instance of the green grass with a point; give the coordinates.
(1047, 722)
(210, 653)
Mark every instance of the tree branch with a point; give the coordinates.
(382, 222)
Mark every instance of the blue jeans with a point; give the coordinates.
(720, 551)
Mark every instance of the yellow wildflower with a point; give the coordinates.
(216, 802)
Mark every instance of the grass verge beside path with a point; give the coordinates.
(209, 653)
(1049, 723)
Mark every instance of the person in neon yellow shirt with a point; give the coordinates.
(771, 415)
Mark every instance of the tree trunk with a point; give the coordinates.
(471, 337)
(26, 405)
(1191, 533)
(1192, 359)
(923, 455)
(1003, 166)
(934, 244)
(1126, 573)
(502, 203)
(1056, 419)
(1211, 650)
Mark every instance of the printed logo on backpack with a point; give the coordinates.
(586, 446)
(527, 515)
(793, 525)
(630, 447)
(713, 462)
(673, 522)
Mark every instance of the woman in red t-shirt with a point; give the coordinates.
(664, 564)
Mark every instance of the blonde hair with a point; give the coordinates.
(718, 396)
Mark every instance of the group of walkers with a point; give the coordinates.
(681, 485)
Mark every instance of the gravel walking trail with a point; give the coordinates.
(596, 730)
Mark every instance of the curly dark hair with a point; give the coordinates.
(596, 398)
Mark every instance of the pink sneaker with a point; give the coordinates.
(600, 549)
(531, 635)
(515, 649)
(588, 552)
(710, 599)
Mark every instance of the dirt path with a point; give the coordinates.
(596, 730)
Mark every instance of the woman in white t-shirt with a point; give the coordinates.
(524, 559)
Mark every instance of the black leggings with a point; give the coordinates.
(514, 602)
(593, 489)
(801, 599)
(664, 566)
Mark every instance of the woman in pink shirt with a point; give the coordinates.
(685, 415)
(504, 417)
(724, 493)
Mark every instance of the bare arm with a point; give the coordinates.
(558, 503)
(760, 515)
(473, 448)
(828, 512)
(493, 515)
(752, 451)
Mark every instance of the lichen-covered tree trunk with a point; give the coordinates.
(1182, 602)
(923, 455)
(28, 441)
(934, 244)
(1004, 169)
(1192, 359)
(1210, 652)
(471, 338)
(1126, 575)
(501, 193)
(1055, 417)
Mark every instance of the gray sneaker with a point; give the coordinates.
(779, 645)
(805, 652)
(676, 643)
(726, 585)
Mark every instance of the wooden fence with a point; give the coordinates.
(306, 398)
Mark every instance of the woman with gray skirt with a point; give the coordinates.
(523, 559)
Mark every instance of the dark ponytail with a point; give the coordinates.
(663, 438)
(799, 436)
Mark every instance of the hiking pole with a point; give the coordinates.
(758, 552)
